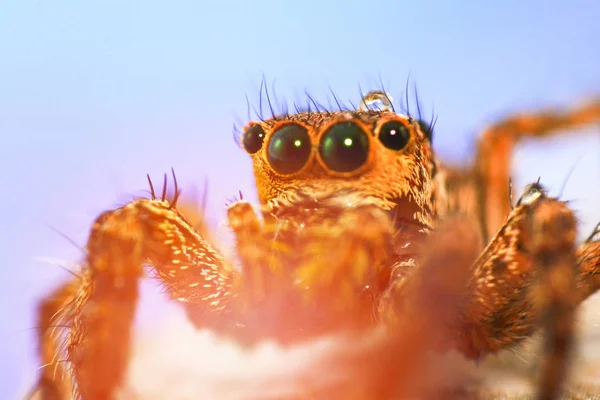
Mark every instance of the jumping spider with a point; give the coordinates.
(363, 231)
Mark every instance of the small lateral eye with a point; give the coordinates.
(253, 138)
(344, 147)
(394, 135)
(426, 128)
(289, 149)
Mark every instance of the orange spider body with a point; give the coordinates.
(365, 233)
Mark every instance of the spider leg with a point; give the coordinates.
(497, 144)
(483, 191)
(121, 242)
(524, 279)
(553, 249)
(54, 314)
(504, 308)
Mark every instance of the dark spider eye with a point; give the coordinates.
(344, 147)
(289, 149)
(427, 129)
(253, 139)
(394, 135)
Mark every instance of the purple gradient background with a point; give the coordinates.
(95, 94)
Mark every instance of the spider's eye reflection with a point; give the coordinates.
(253, 139)
(289, 149)
(344, 147)
(394, 135)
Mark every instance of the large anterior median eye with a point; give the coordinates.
(289, 149)
(253, 139)
(394, 135)
(344, 147)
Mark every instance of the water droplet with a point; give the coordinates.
(377, 101)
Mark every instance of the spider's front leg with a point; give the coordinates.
(538, 234)
(530, 275)
(100, 307)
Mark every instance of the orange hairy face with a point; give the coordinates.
(382, 157)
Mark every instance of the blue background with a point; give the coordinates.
(95, 94)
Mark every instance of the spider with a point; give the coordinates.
(362, 231)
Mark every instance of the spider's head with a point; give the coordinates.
(381, 157)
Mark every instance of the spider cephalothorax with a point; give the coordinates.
(363, 232)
